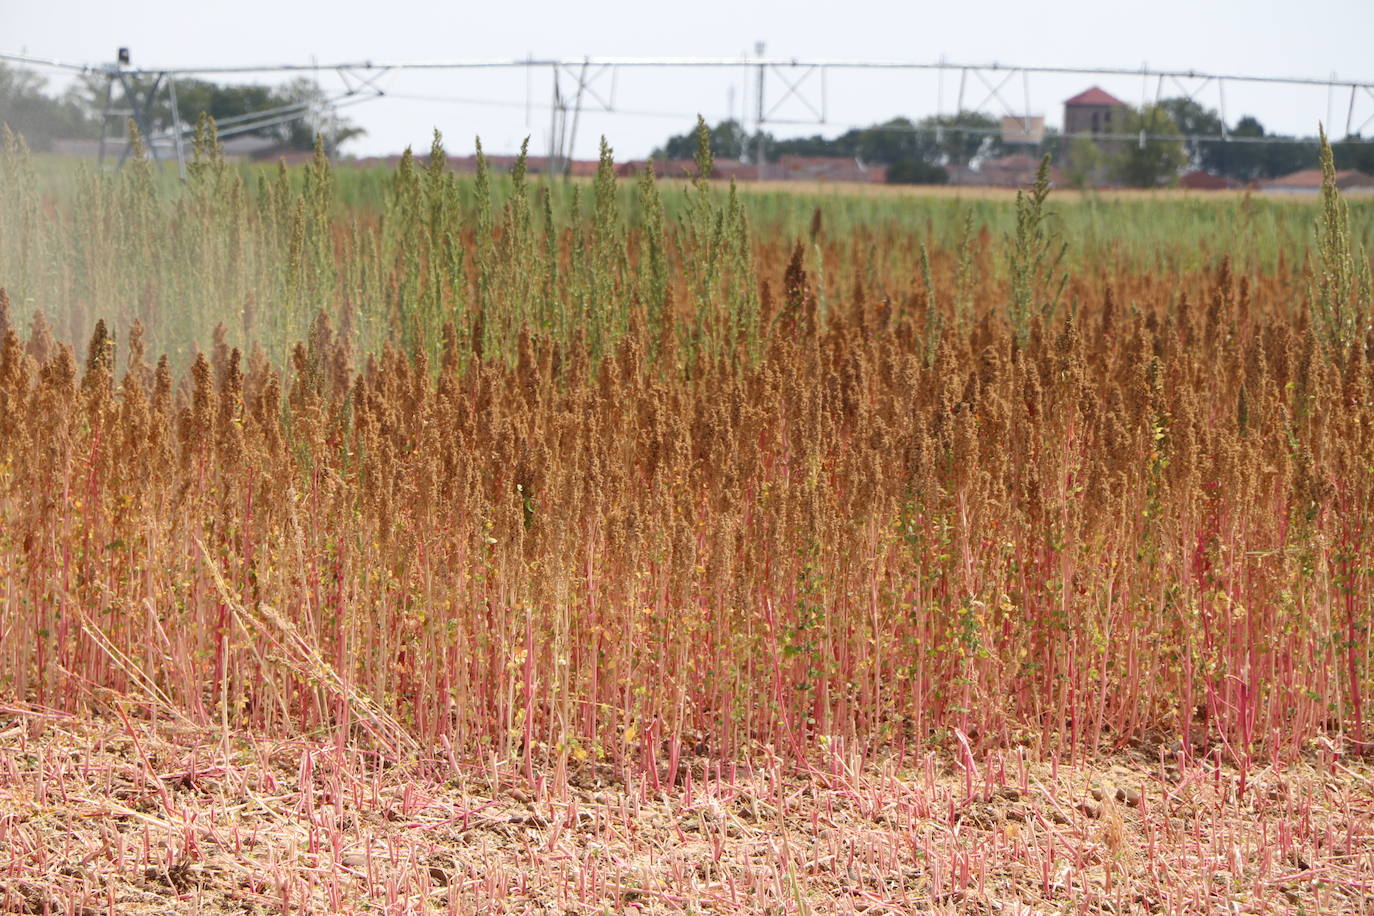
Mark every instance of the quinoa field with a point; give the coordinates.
(410, 542)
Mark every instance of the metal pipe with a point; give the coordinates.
(577, 115)
(176, 122)
(105, 120)
(707, 62)
(758, 122)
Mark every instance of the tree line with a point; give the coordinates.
(925, 151)
(42, 117)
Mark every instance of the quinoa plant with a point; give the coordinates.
(1340, 296)
(1035, 258)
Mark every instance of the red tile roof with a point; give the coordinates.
(1094, 96)
(1205, 181)
(830, 168)
(1304, 178)
(996, 173)
(1312, 178)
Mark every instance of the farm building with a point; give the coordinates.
(828, 168)
(1014, 171)
(1096, 114)
(1199, 180)
(242, 148)
(1094, 111)
(1309, 181)
(787, 168)
(687, 169)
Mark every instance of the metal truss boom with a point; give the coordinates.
(689, 62)
(796, 76)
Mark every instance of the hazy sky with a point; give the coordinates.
(1312, 39)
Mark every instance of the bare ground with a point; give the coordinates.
(120, 815)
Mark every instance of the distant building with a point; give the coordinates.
(1094, 111)
(1023, 130)
(504, 164)
(1097, 115)
(242, 148)
(1015, 171)
(663, 168)
(829, 168)
(787, 168)
(686, 169)
(1206, 181)
(497, 164)
(726, 169)
(1309, 181)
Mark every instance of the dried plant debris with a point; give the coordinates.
(156, 817)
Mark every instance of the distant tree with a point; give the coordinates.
(944, 140)
(961, 139)
(844, 145)
(1244, 160)
(37, 116)
(937, 140)
(324, 119)
(1248, 126)
(916, 171)
(1054, 143)
(728, 141)
(1199, 125)
(1289, 155)
(1152, 163)
(1355, 152)
(893, 142)
(197, 97)
(1084, 161)
(221, 101)
(953, 140)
